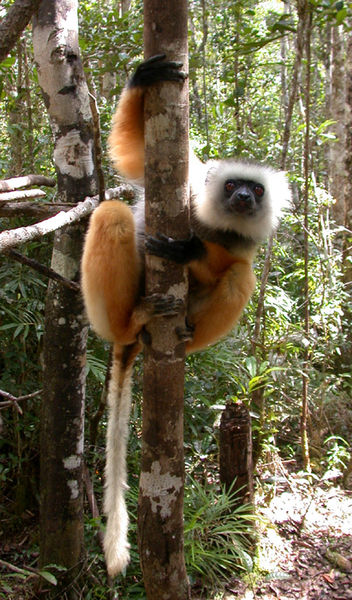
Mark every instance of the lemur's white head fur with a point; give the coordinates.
(208, 193)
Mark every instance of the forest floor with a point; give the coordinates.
(304, 548)
(305, 551)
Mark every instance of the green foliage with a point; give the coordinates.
(217, 533)
(218, 539)
(337, 455)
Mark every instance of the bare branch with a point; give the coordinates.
(14, 23)
(11, 400)
(22, 195)
(37, 266)
(13, 237)
(12, 567)
(122, 192)
(8, 185)
(33, 209)
(22, 570)
(93, 505)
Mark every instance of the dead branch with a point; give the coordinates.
(22, 195)
(93, 505)
(8, 185)
(37, 266)
(46, 209)
(14, 237)
(33, 209)
(14, 23)
(121, 192)
(13, 401)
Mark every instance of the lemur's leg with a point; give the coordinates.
(126, 140)
(214, 315)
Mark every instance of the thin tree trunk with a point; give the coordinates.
(305, 376)
(15, 119)
(347, 247)
(283, 52)
(56, 51)
(204, 69)
(260, 352)
(301, 7)
(28, 99)
(258, 345)
(160, 515)
(337, 114)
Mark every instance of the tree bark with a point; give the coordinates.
(160, 517)
(16, 131)
(347, 252)
(236, 468)
(61, 77)
(21, 195)
(337, 113)
(20, 235)
(300, 37)
(9, 185)
(306, 159)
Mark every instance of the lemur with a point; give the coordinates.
(234, 206)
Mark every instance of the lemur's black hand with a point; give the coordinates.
(156, 69)
(181, 252)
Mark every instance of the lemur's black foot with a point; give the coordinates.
(185, 333)
(179, 251)
(156, 69)
(162, 305)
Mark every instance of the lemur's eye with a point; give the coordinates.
(259, 191)
(229, 186)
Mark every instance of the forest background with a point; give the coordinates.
(266, 83)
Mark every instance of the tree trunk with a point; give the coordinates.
(306, 158)
(347, 252)
(29, 111)
(337, 114)
(61, 77)
(288, 103)
(300, 37)
(283, 69)
(15, 119)
(160, 515)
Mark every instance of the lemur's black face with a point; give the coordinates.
(243, 197)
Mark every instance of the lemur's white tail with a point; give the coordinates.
(116, 546)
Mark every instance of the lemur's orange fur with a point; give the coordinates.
(111, 269)
(126, 139)
(111, 265)
(224, 284)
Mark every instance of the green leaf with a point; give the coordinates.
(8, 62)
(48, 577)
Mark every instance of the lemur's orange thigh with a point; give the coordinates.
(111, 271)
